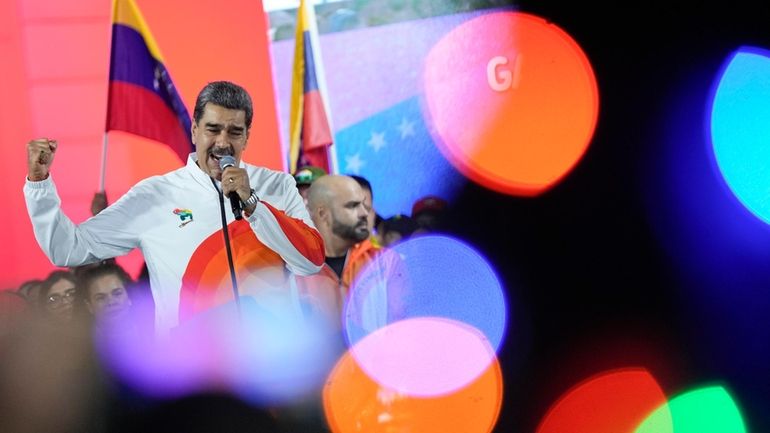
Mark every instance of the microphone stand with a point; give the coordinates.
(228, 250)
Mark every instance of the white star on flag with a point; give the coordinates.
(377, 141)
(156, 78)
(406, 127)
(354, 163)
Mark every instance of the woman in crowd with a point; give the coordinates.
(57, 296)
(105, 291)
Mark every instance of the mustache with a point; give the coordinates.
(219, 151)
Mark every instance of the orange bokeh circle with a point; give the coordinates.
(354, 402)
(513, 101)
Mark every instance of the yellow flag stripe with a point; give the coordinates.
(127, 13)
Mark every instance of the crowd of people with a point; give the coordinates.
(100, 293)
(313, 234)
(103, 292)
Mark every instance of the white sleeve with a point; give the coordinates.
(287, 229)
(106, 235)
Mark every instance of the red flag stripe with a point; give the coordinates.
(315, 127)
(152, 117)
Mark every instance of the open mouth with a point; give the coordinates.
(217, 155)
(214, 159)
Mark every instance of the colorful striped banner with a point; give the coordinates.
(309, 126)
(142, 98)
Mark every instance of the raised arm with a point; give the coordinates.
(64, 242)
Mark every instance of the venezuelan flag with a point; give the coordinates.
(309, 129)
(142, 98)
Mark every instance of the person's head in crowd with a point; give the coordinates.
(428, 212)
(368, 201)
(305, 176)
(105, 292)
(378, 226)
(397, 228)
(30, 290)
(57, 295)
(336, 205)
(378, 220)
(221, 124)
(79, 270)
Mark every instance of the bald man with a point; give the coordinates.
(337, 208)
(369, 283)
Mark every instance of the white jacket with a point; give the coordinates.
(175, 220)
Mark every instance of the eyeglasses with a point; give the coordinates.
(58, 300)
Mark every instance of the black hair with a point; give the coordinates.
(53, 278)
(225, 94)
(364, 183)
(88, 276)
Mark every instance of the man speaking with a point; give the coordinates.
(199, 249)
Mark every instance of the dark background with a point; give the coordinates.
(595, 280)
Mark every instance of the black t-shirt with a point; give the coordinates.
(337, 264)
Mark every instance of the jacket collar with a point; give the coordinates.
(198, 174)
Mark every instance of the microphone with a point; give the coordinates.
(235, 200)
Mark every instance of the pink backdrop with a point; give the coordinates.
(55, 66)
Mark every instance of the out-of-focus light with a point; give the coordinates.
(612, 402)
(427, 276)
(266, 356)
(424, 357)
(706, 410)
(353, 402)
(513, 100)
(740, 128)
